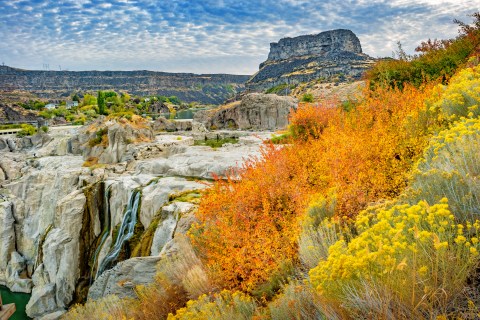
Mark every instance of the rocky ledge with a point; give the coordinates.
(335, 53)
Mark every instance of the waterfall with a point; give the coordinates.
(125, 231)
(106, 227)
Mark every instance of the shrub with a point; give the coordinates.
(309, 121)
(450, 168)
(416, 256)
(300, 302)
(281, 138)
(226, 305)
(107, 308)
(247, 229)
(44, 129)
(100, 137)
(320, 230)
(307, 97)
(27, 130)
(461, 98)
(215, 143)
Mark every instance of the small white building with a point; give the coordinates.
(71, 104)
(50, 106)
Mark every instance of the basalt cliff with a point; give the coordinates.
(189, 87)
(330, 55)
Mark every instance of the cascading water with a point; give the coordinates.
(106, 224)
(125, 231)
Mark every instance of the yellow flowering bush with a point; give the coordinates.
(461, 98)
(226, 305)
(449, 168)
(418, 254)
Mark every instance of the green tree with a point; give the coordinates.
(101, 102)
(76, 98)
(89, 100)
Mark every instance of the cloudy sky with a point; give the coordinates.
(205, 36)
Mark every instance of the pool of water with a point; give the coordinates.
(183, 114)
(20, 300)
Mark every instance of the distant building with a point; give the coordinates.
(71, 104)
(50, 106)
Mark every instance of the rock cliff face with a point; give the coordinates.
(305, 58)
(204, 88)
(68, 230)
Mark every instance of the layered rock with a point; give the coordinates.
(204, 88)
(108, 142)
(327, 55)
(255, 111)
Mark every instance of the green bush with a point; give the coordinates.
(307, 97)
(44, 129)
(27, 130)
(215, 143)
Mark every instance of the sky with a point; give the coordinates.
(205, 36)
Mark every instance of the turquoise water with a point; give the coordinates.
(20, 300)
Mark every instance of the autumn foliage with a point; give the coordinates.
(249, 228)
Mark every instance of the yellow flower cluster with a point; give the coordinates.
(460, 98)
(403, 238)
(225, 305)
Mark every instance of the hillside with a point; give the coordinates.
(188, 87)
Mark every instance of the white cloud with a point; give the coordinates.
(206, 36)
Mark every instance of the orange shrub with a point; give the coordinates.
(309, 120)
(248, 228)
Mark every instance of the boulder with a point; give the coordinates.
(16, 274)
(122, 279)
(163, 124)
(256, 111)
(108, 141)
(42, 301)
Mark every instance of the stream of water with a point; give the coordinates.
(107, 227)
(20, 300)
(125, 231)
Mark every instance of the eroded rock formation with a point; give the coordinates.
(256, 111)
(335, 53)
